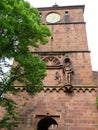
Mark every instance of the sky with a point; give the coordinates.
(90, 17)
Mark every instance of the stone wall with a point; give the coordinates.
(76, 110)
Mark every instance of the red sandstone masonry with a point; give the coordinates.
(76, 110)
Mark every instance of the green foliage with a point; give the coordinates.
(20, 23)
(20, 27)
(31, 74)
(97, 102)
(11, 118)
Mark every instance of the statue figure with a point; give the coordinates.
(58, 77)
(68, 70)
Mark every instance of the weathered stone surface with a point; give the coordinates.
(74, 110)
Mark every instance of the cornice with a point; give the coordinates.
(61, 7)
(76, 88)
(61, 23)
(58, 52)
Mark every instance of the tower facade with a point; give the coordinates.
(68, 100)
(68, 42)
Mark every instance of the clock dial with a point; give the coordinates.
(52, 17)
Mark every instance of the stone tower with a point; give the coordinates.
(68, 100)
(68, 43)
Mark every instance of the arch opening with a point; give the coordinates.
(47, 123)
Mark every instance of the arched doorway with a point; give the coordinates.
(47, 123)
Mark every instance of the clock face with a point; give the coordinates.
(52, 17)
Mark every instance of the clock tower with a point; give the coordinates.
(66, 54)
(68, 99)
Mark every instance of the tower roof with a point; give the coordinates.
(55, 7)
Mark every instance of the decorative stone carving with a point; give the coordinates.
(68, 88)
(58, 77)
(51, 61)
(67, 70)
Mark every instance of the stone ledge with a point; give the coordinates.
(77, 88)
(74, 89)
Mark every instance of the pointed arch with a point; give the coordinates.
(52, 61)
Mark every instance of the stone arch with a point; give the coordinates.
(45, 123)
(52, 61)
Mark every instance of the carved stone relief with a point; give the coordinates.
(58, 77)
(51, 61)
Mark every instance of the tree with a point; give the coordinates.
(20, 27)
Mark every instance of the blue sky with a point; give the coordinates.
(90, 16)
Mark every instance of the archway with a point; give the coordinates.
(45, 123)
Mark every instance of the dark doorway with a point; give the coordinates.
(45, 123)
